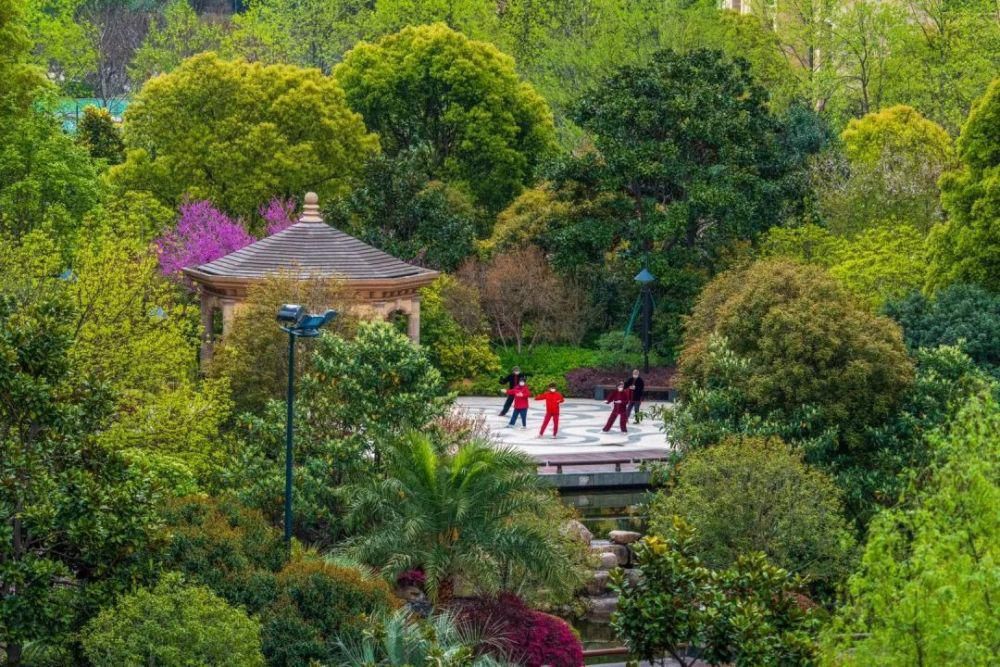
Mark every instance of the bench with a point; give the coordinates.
(617, 462)
(650, 392)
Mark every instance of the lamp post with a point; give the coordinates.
(645, 278)
(297, 323)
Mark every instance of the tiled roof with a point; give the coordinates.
(313, 248)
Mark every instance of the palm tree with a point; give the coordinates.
(470, 513)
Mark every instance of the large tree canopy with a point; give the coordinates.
(240, 134)
(431, 85)
(967, 247)
(689, 142)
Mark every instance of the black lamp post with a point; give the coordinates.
(645, 278)
(295, 321)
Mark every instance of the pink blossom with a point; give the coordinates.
(278, 214)
(203, 233)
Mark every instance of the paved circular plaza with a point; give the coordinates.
(580, 424)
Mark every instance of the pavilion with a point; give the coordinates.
(383, 285)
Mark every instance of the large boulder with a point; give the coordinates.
(624, 536)
(598, 584)
(577, 531)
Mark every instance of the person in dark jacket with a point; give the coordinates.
(638, 386)
(512, 380)
(619, 400)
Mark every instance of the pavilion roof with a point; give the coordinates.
(310, 247)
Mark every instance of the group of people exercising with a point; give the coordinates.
(625, 401)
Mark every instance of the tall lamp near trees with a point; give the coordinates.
(643, 306)
(297, 323)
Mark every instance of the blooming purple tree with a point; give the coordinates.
(278, 214)
(203, 233)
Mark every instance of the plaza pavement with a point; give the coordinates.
(580, 424)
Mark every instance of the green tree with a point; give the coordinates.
(398, 209)
(273, 131)
(882, 264)
(174, 35)
(966, 248)
(354, 399)
(467, 513)
(689, 142)
(45, 180)
(253, 355)
(962, 315)
(755, 494)
(746, 614)
(486, 129)
(173, 625)
(927, 586)
(453, 330)
(810, 353)
(75, 520)
(891, 162)
(97, 132)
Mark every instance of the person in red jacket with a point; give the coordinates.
(522, 396)
(619, 400)
(552, 400)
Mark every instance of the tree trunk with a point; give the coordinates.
(13, 655)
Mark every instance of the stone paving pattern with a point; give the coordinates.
(580, 424)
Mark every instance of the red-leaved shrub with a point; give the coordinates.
(529, 637)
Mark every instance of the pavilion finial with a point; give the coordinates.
(310, 208)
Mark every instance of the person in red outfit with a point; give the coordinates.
(522, 396)
(619, 400)
(552, 400)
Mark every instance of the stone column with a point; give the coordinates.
(228, 312)
(414, 321)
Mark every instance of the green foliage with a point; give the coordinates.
(320, 604)
(746, 614)
(879, 265)
(962, 315)
(470, 513)
(177, 433)
(74, 518)
(229, 548)
(304, 603)
(453, 332)
(928, 580)
(966, 248)
(544, 364)
(806, 244)
(253, 355)
(178, 33)
(430, 85)
(689, 142)
(273, 131)
(808, 354)
(356, 397)
(403, 640)
(888, 171)
(173, 625)
(396, 208)
(96, 132)
(755, 494)
(133, 330)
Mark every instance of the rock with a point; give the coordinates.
(633, 577)
(577, 531)
(608, 560)
(619, 550)
(624, 536)
(598, 584)
(599, 610)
